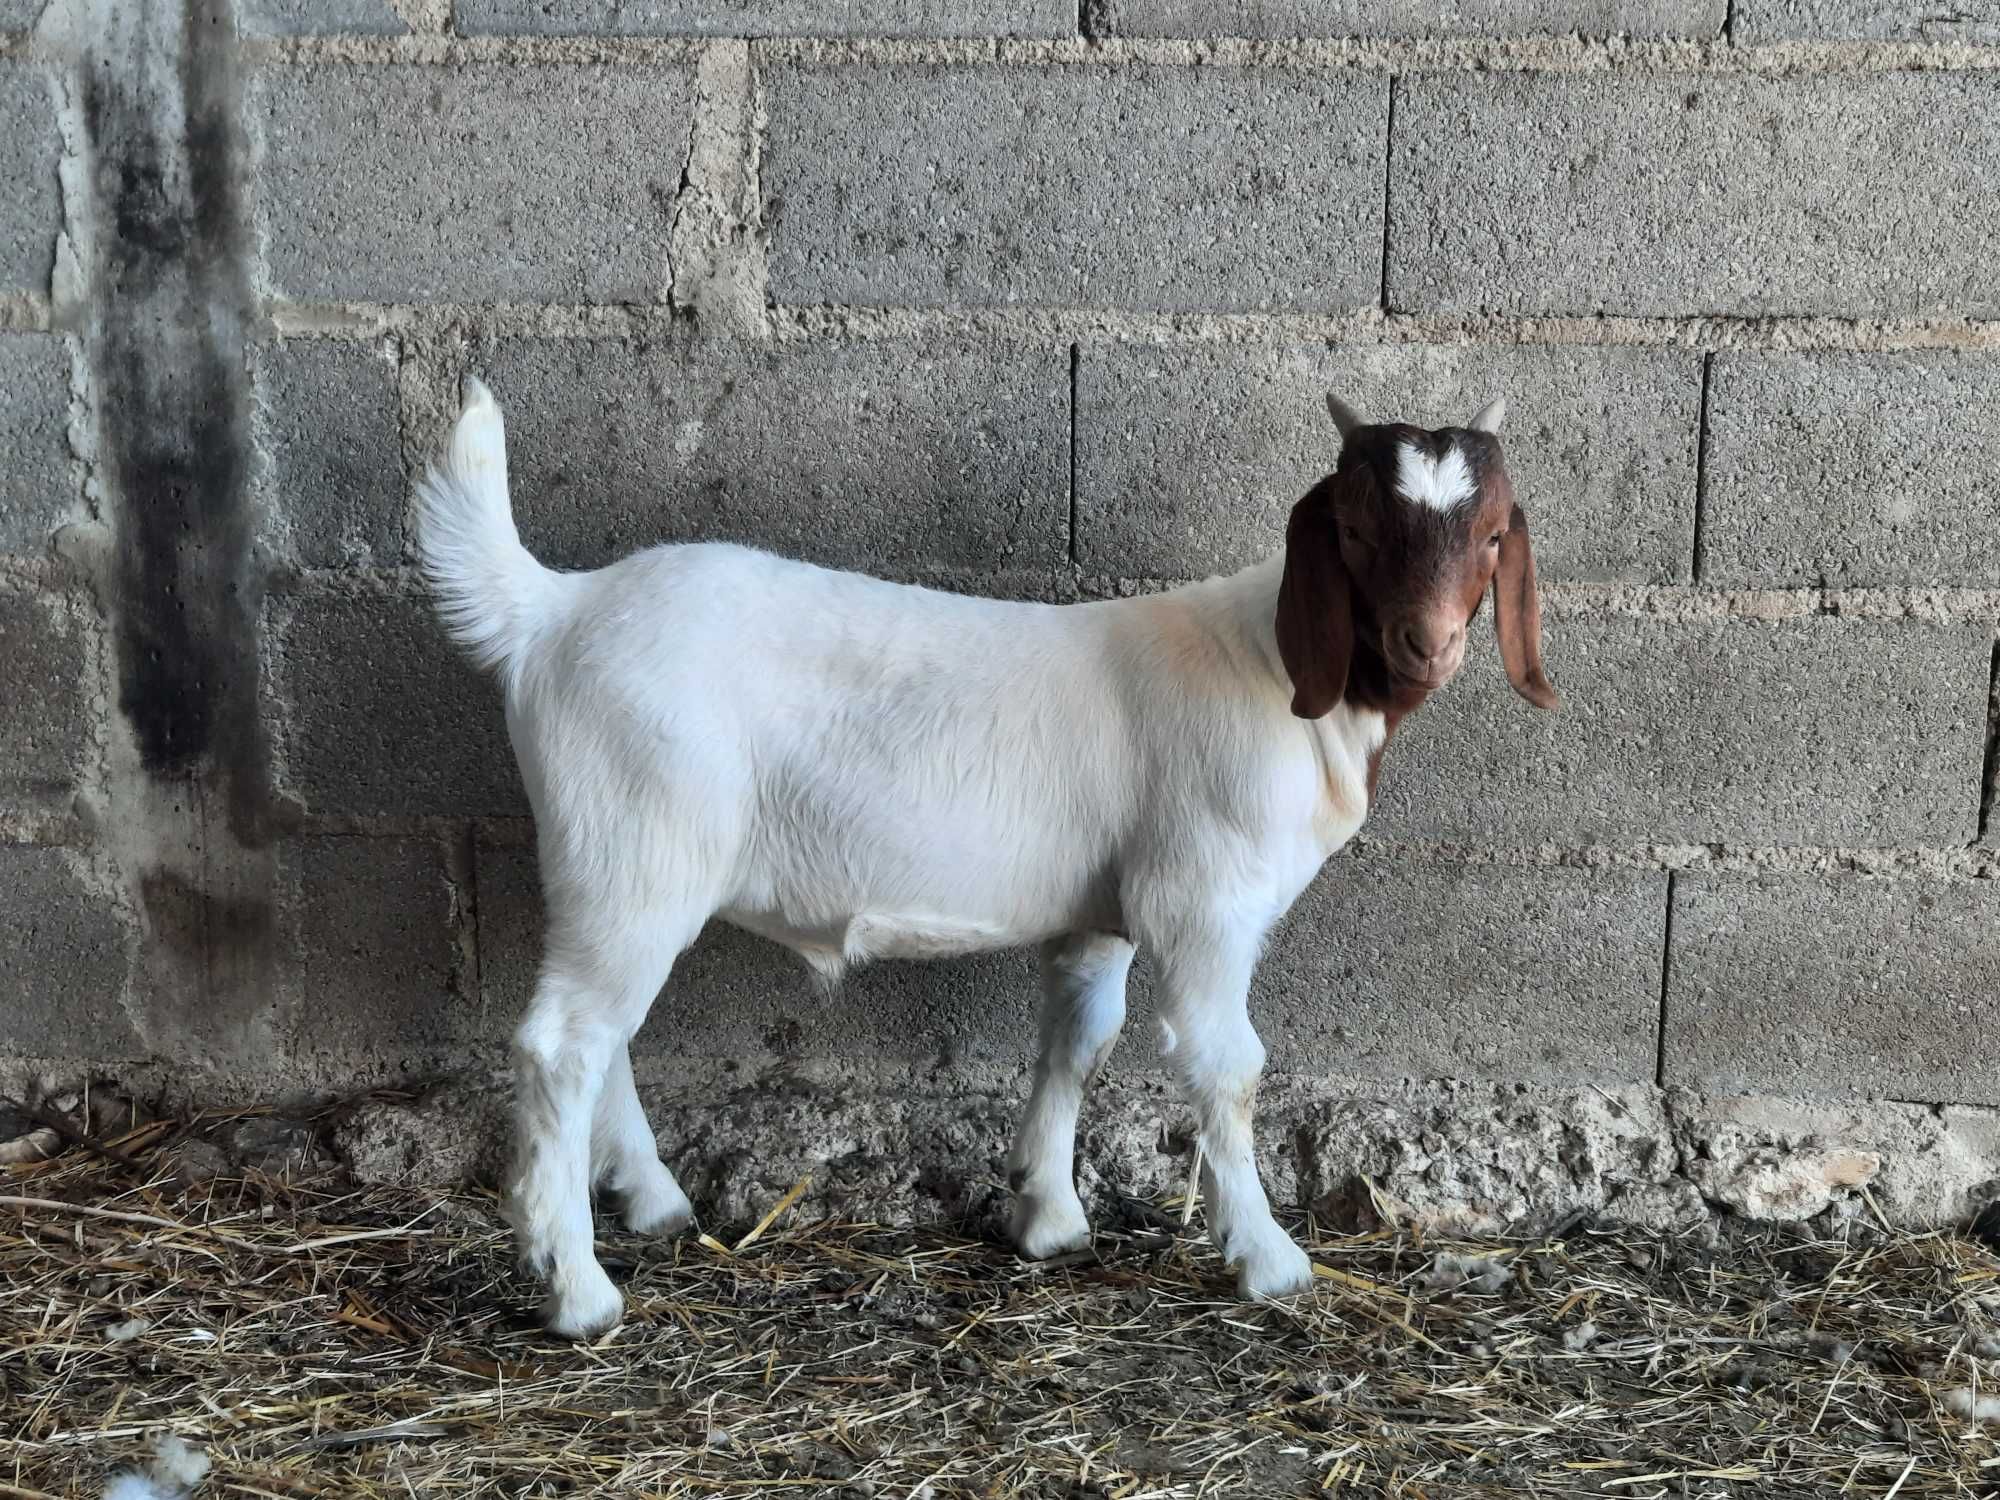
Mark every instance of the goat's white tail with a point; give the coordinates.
(491, 593)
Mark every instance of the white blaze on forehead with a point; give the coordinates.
(1442, 483)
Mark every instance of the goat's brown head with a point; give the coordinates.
(1387, 558)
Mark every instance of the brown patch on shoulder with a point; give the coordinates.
(1180, 636)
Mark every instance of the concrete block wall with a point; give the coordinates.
(1038, 300)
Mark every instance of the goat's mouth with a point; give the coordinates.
(1425, 677)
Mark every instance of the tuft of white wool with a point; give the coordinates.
(1449, 1271)
(1580, 1337)
(1973, 1408)
(174, 1473)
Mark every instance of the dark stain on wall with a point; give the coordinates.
(172, 306)
(174, 403)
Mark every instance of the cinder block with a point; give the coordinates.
(381, 714)
(1864, 20)
(497, 184)
(1580, 193)
(377, 956)
(1467, 971)
(1852, 469)
(1802, 985)
(882, 456)
(1843, 733)
(64, 955)
(734, 995)
(1176, 189)
(320, 18)
(30, 202)
(1189, 458)
(767, 17)
(328, 414)
(43, 726)
(36, 490)
(1420, 18)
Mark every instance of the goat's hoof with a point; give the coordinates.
(656, 1205)
(1049, 1226)
(1273, 1269)
(590, 1306)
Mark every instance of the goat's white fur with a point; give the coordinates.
(860, 769)
(1443, 483)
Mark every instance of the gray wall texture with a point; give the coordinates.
(1035, 299)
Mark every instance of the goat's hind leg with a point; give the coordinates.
(625, 1157)
(1083, 1007)
(566, 1051)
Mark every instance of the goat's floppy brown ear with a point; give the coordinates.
(1517, 614)
(1315, 609)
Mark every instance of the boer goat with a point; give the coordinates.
(860, 769)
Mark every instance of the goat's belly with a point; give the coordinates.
(833, 946)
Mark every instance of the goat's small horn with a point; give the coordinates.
(1345, 417)
(1491, 415)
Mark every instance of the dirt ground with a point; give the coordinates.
(308, 1338)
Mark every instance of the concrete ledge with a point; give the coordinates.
(1469, 1158)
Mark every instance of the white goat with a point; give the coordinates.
(860, 769)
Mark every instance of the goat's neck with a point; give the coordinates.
(1246, 605)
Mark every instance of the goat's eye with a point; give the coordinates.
(1493, 540)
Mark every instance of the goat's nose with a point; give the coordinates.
(1426, 643)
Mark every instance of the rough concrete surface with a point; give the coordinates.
(1845, 987)
(377, 712)
(64, 952)
(1572, 193)
(510, 184)
(1480, 1160)
(320, 18)
(1549, 976)
(1190, 457)
(381, 991)
(914, 18)
(30, 205)
(1866, 20)
(1769, 1158)
(1844, 733)
(44, 733)
(37, 489)
(1472, 1158)
(334, 486)
(1158, 188)
(1852, 470)
(888, 457)
(1421, 18)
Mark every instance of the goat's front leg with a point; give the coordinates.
(1207, 1037)
(1083, 1007)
